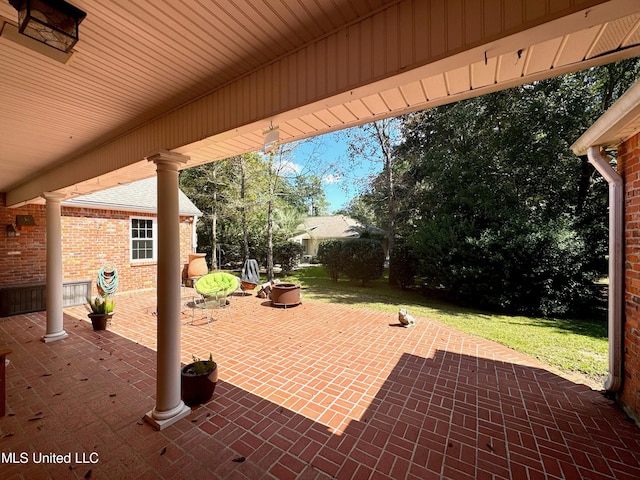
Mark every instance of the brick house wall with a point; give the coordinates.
(90, 238)
(629, 169)
(23, 257)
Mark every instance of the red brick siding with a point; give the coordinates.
(629, 167)
(23, 257)
(109, 241)
(90, 238)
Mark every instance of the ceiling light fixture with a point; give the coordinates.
(271, 139)
(52, 22)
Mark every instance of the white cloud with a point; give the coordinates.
(286, 167)
(331, 179)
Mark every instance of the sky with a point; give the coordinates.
(327, 157)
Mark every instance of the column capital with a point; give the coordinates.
(166, 156)
(53, 196)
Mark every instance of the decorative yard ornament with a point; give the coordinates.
(405, 318)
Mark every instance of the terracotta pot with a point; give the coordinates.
(197, 265)
(198, 389)
(285, 294)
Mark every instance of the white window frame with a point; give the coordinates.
(154, 239)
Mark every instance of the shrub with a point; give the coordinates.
(519, 267)
(363, 259)
(330, 256)
(402, 265)
(287, 254)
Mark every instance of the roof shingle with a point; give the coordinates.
(141, 196)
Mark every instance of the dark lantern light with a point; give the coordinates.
(52, 22)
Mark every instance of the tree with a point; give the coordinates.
(359, 208)
(288, 190)
(493, 189)
(307, 195)
(330, 256)
(403, 265)
(287, 221)
(375, 142)
(202, 184)
(228, 192)
(287, 254)
(278, 166)
(497, 209)
(248, 180)
(243, 195)
(363, 259)
(359, 258)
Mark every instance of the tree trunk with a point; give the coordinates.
(385, 144)
(245, 230)
(272, 182)
(391, 207)
(214, 225)
(270, 275)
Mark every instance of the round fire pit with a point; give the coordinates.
(285, 294)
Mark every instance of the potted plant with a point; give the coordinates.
(199, 380)
(101, 309)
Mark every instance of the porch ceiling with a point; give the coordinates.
(207, 78)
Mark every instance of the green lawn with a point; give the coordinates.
(577, 348)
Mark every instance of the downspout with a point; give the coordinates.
(616, 265)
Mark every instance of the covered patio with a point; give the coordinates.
(317, 391)
(152, 88)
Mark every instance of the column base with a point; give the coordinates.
(52, 337)
(161, 420)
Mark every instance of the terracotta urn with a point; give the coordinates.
(197, 265)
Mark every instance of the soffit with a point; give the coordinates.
(139, 61)
(512, 61)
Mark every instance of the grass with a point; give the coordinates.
(577, 349)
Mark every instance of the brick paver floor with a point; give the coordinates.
(316, 391)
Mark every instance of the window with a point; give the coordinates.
(143, 239)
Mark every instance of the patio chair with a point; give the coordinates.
(250, 275)
(214, 288)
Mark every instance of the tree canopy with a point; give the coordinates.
(483, 199)
(497, 210)
(234, 195)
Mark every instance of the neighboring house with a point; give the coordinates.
(619, 129)
(315, 230)
(115, 226)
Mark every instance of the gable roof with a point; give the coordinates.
(139, 196)
(330, 226)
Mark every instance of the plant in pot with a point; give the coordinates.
(101, 309)
(199, 380)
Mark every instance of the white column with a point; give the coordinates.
(169, 407)
(55, 327)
